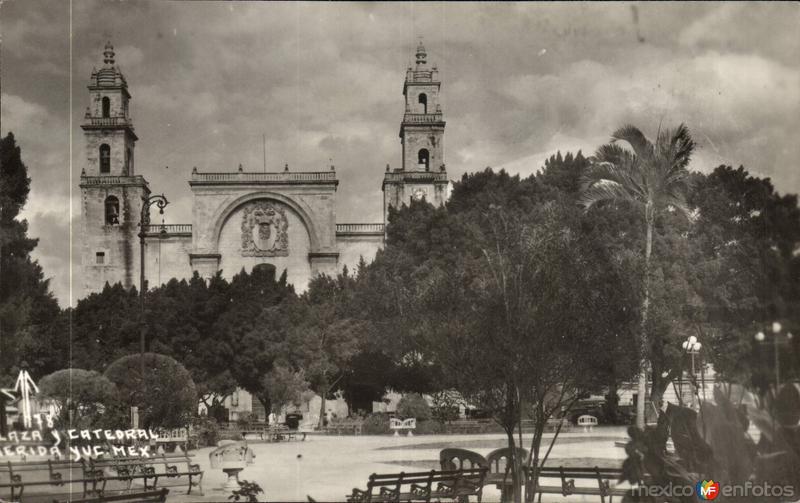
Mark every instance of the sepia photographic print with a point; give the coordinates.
(523, 252)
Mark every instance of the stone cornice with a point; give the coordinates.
(265, 178)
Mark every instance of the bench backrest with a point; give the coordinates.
(580, 473)
(395, 481)
(587, 420)
(458, 459)
(499, 459)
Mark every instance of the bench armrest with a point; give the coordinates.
(386, 491)
(567, 487)
(445, 488)
(420, 490)
(358, 495)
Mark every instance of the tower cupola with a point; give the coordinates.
(107, 125)
(422, 55)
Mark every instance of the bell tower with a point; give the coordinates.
(422, 174)
(111, 192)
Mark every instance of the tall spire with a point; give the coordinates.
(108, 54)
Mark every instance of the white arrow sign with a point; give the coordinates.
(23, 386)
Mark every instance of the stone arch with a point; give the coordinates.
(234, 205)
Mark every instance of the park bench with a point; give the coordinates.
(409, 424)
(93, 475)
(173, 469)
(587, 422)
(170, 439)
(553, 422)
(14, 477)
(159, 496)
(422, 486)
(469, 426)
(279, 432)
(567, 487)
(343, 427)
(271, 433)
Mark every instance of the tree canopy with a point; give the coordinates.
(29, 314)
(165, 395)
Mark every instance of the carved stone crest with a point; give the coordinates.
(419, 194)
(264, 230)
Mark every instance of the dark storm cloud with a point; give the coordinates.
(324, 81)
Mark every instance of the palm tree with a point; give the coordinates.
(652, 176)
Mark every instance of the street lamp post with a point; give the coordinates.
(777, 340)
(144, 223)
(692, 347)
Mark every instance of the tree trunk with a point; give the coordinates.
(323, 394)
(515, 464)
(509, 422)
(660, 385)
(267, 404)
(3, 424)
(612, 402)
(642, 392)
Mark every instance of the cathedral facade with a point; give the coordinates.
(239, 219)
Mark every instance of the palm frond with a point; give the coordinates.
(632, 135)
(626, 174)
(613, 153)
(676, 147)
(604, 190)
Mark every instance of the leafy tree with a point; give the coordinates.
(369, 373)
(414, 405)
(166, 395)
(653, 176)
(105, 327)
(745, 270)
(252, 330)
(29, 337)
(285, 387)
(181, 317)
(510, 325)
(615, 231)
(520, 279)
(81, 397)
(328, 338)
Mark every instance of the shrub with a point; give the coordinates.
(445, 406)
(85, 395)
(430, 427)
(246, 418)
(206, 430)
(166, 396)
(248, 491)
(376, 424)
(414, 405)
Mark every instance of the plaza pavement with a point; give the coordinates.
(327, 468)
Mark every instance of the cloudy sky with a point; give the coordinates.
(324, 81)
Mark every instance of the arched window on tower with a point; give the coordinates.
(423, 158)
(106, 107)
(112, 210)
(423, 100)
(105, 158)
